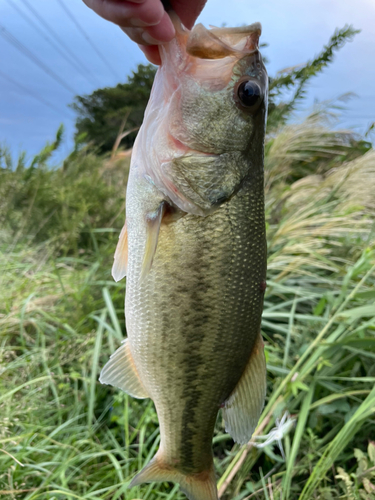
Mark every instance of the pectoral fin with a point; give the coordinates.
(153, 221)
(120, 263)
(244, 406)
(120, 372)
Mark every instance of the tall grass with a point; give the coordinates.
(64, 436)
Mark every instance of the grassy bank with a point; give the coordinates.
(64, 436)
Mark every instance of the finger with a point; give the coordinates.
(162, 32)
(154, 35)
(127, 13)
(188, 11)
(152, 53)
(140, 36)
(134, 34)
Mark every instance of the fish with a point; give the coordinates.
(193, 249)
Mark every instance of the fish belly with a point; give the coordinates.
(193, 320)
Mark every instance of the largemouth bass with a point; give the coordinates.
(193, 249)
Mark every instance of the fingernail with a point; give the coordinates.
(134, 21)
(149, 39)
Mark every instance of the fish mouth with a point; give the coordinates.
(217, 43)
(207, 55)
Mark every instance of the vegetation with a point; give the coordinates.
(65, 436)
(293, 81)
(101, 114)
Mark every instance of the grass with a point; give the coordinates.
(64, 436)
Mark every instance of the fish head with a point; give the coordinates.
(216, 86)
(208, 105)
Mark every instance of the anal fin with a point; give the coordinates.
(120, 372)
(244, 406)
(201, 486)
(120, 263)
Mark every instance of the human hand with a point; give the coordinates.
(146, 22)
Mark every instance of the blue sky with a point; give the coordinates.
(294, 30)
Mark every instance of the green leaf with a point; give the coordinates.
(362, 461)
(319, 308)
(301, 424)
(359, 312)
(371, 451)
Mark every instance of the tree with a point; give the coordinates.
(101, 113)
(293, 81)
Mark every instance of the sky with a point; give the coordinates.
(98, 54)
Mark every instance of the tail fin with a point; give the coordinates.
(200, 486)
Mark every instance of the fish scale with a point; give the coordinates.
(201, 298)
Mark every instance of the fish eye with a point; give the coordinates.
(249, 94)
